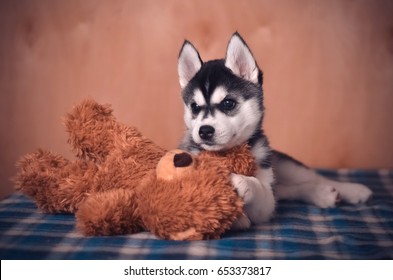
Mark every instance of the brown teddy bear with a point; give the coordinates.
(123, 183)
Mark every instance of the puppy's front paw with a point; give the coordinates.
(325, 196)
(242, 223)
(244, 186)
(354, 193)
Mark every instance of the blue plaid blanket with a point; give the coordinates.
(298, 231)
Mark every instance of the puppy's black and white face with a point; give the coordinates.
(222, 98)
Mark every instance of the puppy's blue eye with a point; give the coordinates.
(228, 104)
(195, 108)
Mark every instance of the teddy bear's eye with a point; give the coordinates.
(195, 108)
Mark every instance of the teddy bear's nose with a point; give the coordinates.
(182, 160)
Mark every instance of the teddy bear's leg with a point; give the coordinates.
(56, 184)
(90, 127)
(112, 212)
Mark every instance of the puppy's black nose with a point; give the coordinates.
(206, 132)
(182, 160)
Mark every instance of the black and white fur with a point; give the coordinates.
(223, 104)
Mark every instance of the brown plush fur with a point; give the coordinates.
(123, 183)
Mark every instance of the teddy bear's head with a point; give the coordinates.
(189, 197)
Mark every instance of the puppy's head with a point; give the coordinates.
(223, 99)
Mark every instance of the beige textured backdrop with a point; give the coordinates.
(328, 71)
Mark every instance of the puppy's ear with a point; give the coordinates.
(241, 61)
(189, 63)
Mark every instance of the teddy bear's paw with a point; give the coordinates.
(41, 161)
(39, 173)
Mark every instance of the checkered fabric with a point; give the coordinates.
(298, 231)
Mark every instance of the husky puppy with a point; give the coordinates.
(223, 107)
